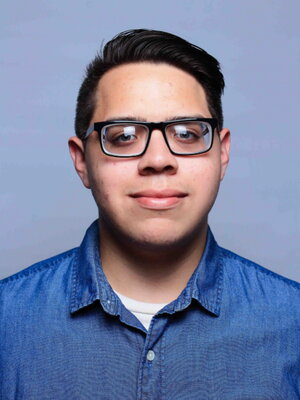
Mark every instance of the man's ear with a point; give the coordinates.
(76, 149)
(224, 150)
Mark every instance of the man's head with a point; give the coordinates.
(154, 46)
(157, 199)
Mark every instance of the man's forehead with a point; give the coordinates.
(145, 70)
(142, 87)
(119, 117)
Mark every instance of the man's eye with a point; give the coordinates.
(123, 138)
(120, 135)
(188, 136)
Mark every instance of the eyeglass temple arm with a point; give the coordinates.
(90, 130)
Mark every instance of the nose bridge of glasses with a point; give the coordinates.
(159, 126)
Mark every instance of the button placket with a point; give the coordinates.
(150, 373)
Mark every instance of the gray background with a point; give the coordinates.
(45, 46)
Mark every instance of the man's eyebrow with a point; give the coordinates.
(174, 117)
(140, 118)
(124, 118)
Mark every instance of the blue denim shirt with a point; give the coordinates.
(233, 333)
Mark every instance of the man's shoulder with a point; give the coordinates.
(45, 286)
(253, 276)
(44, 268)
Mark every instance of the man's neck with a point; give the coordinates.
(151, 275)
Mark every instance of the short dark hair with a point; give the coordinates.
(139, 45)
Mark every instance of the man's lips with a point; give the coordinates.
(159, 199)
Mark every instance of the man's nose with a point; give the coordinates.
(157, 158)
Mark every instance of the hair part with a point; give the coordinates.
(140, 45)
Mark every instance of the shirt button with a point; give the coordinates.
(150, 355)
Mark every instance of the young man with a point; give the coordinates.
(149, 306)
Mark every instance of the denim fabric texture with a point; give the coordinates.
(232, 334)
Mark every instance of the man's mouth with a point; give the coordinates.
(159, 199)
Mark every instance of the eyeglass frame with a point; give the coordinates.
(161, 126)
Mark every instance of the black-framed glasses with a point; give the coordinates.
(131, 138)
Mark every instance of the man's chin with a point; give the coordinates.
(156, 238)
(162, 242)
(156, 243)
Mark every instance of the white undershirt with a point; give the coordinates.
(143, 311)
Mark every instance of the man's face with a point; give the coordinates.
(156, 199)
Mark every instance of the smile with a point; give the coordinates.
(159, 200)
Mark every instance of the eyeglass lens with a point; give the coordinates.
(131, 139)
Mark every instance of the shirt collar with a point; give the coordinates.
(90, 284)
(207, 281)
(85, 281)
